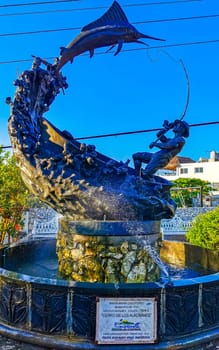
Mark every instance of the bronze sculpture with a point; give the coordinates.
(168, 149)
(74, 178)
(112, 29)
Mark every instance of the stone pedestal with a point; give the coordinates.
(107, 251)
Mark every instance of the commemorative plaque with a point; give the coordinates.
(126, 320)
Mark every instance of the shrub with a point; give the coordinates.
(205, 230)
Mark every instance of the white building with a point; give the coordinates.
(204, 169)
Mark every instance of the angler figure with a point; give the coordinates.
(169, 148)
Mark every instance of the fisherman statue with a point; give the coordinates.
(168, 149)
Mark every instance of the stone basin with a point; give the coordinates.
(61, 314)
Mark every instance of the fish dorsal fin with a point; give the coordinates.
(114, 16)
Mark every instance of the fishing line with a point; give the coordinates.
(160, 51)
(188, 90)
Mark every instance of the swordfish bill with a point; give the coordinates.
(112, 29)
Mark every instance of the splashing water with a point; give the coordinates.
(156, 258)
(150, 250)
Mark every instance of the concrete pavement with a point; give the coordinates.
(11, 344)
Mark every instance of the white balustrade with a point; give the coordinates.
(182, 220)
(43, 222)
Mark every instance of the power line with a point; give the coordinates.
(37, 3)
(40, 31)
(175, 45)
(204, 42)
(177, 19)
(162, 3)
(90, 8)
(131, 132)
(138, 22)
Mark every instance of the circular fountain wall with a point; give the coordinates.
(37, 306)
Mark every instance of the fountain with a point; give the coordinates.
(107, 280)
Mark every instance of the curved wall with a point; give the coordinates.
(53, 312)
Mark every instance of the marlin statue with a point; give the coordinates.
(112, 29)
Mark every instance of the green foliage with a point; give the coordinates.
(184, 191)
(14, 197)
(205, 230)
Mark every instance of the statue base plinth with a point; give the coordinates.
(108, 251)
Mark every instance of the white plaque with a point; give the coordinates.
(126, 320)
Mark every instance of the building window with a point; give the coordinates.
(198, 170)
(184, 171)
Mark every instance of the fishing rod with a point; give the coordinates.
(168, 126)
(131, 132)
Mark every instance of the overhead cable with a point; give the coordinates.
(37, 3)
(138, 22)
(89, 8)
(214, 41)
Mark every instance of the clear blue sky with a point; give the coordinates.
(135, 90)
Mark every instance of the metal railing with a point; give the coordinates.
(44, 222)
(182, 220)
